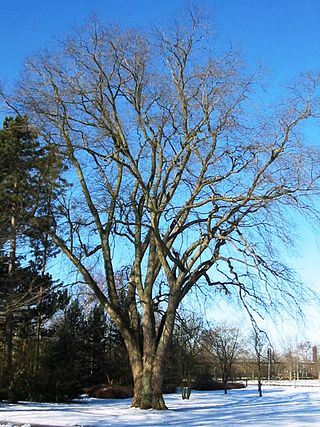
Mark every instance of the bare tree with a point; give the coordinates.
(177, 174)
(224, 344)
(297, 360)
(188, 336)
(262, 355)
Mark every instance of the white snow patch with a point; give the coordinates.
(14, 425)
(279, 406)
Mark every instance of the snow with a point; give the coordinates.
(279, 406)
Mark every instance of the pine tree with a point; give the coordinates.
(62, 363)
(21, 381)
(29, 183)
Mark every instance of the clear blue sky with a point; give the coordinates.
(284, 35)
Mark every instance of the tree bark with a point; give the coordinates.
(148, 381)
(147, 361)
(137, 375)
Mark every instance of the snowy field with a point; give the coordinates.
(279, 406)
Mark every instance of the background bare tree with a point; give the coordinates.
(262, 355)
(294, 357)
(224, 344)
(177, 174)
(188, 336)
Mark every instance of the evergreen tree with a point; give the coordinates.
(29, 183)
(118, 367)
(23, 171)
(19, 297)
(62, 363)
(94, 347)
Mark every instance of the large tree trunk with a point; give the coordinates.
(147, 373)
(147, 364)
(157, 385)
(137, 374)
(152, 385)
(148, 387)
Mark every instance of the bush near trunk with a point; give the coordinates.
(216, 385)
(120, 391)
(110, 392)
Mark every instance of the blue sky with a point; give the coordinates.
(284, 35)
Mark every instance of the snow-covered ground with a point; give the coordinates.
(279, 406)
